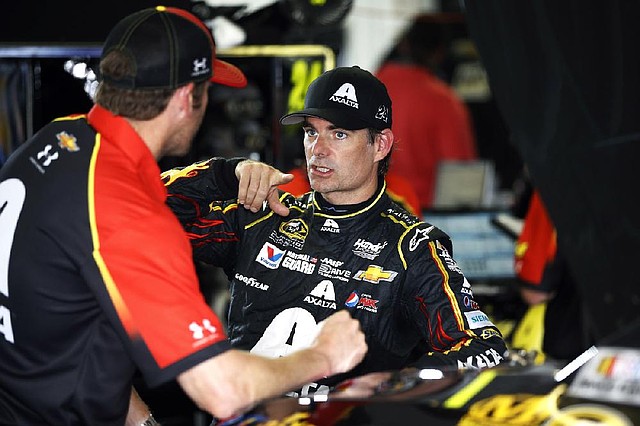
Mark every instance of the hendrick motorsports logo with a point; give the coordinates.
(368, 250)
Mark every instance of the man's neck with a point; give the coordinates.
(347, 208)
(150, 132)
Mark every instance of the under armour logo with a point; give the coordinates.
(198, 330)
(199, 66)
(48, 156)
(383, 113)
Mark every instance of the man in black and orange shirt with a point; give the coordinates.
(96, 275)
(345, 245)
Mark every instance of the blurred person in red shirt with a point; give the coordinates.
(431, 122)
(543, 276)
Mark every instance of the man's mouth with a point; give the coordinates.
(321, 169)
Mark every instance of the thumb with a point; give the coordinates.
(276, 205)
(284, 178)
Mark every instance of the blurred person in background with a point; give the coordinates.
(544, 277)
(431, 123)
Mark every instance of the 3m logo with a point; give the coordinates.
(375, 274)
(270, 256)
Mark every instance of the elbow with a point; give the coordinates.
(225, 408)
(221, 400)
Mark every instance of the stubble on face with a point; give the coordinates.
(341, 169)
(180, 143)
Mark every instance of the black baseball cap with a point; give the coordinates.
(170, 47)
(349, 97)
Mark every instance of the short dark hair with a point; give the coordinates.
(136, 104)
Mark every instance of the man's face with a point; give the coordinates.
(341, 164)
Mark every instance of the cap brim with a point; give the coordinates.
(338, 118)
(226, 74)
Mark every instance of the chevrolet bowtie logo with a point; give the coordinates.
(375, 274)
(67, 141)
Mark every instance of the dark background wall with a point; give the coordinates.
(68, 20)
(566, 76)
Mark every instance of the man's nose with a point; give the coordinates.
(319, 148)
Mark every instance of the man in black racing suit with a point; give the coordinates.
(392, 271)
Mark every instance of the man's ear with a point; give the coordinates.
(384, 143)
(182, 99)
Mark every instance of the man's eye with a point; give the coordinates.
(341, 135)
(310, 132)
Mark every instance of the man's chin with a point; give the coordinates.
(178, 151)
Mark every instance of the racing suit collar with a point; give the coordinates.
(348, 209)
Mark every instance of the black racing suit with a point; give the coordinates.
(392, 271)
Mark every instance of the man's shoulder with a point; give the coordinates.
(414, 230)
(397, 213)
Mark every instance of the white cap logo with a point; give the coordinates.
(346, 95)
(199, 67)
(383, 113)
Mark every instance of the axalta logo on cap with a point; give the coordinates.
(346, 95)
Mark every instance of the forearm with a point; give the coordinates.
(218, 388)
(477, 352)
(234, 381)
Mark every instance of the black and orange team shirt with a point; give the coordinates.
(96, 277)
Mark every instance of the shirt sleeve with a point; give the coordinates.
(203, 196)
(148, 276)
(202, 182)
(438, 300)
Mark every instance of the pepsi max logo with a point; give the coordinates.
(352, 300)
